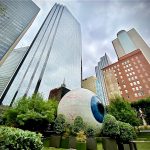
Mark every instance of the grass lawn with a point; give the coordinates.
(143, 146)
(99, 147)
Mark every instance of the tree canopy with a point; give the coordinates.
(122, 111)
(31, 113)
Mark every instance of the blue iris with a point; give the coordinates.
(97, 109)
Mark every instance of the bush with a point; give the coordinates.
(59, 124)
(90, 132)
(78, 125)
(110, 126)
(127, 132)
(17, 139)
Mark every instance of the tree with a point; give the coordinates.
(78, 125)
(60, 124)
(31, 113)
(144, 105)
(122, 111)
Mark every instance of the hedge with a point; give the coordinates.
(16, 139)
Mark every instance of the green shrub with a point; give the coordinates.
(127, 132)
(17, 139)
(110, 126)
(59, 124)
(78, 125)
(90, 132)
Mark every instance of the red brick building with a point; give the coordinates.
(132, 77)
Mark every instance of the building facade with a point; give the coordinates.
(55, 54)
(127, 42)
(10, 68)
(129, 77)
(101, 89)
(58, 93)
(16, 16)
(90, 84)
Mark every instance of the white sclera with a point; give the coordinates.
(78, 103)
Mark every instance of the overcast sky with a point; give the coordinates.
(100, 21)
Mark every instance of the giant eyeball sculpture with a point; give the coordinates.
(84, 103)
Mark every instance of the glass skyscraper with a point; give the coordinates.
(55, 55)
(9, 69)
(16, 16)
(101, 89)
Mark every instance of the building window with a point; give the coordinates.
(134, 83)
(135, 95)
(119, 72)
(138, 82)
(125, 70)
(133, 89)
(131, 84)
(127, 75)
(129, 79)
(133, 72)
(126, 91)
(137, 88)
(128, 69)
(139, 94)
(135, 77)
(124, 86)
(132, 78)
(121, 77)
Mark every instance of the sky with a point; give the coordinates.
(100, 21)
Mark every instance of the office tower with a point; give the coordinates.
(10, 68)
(127, 42)
(104, 62)
(128, 77)
(16, 16)
(89, 83)
(55, 54)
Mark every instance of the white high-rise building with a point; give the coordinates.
(128, 41)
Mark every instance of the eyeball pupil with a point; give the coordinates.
(97, 109)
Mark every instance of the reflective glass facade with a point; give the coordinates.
(9, 68)
(126, 42)
(15, 18)
(55, 55)
(100, 84)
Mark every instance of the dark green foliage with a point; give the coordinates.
(59, 124)
(110, 127)
(90, 132)
(144, 104)
(3, 108)
(78, 125)
(122, 111)
(31, 113)
(127, 132)
(17, 139)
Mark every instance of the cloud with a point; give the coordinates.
(100, 21)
